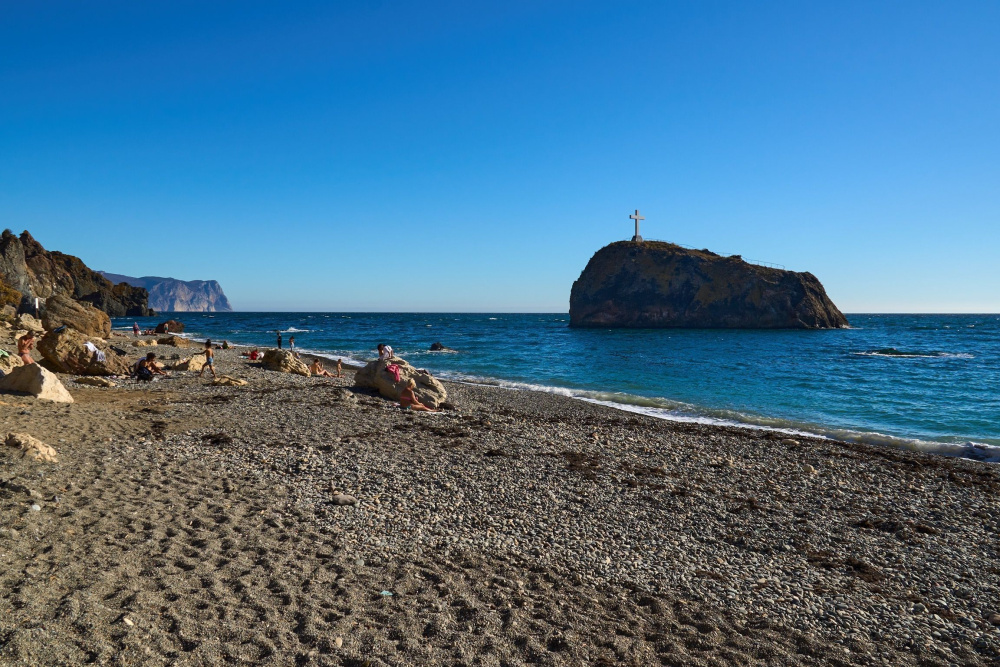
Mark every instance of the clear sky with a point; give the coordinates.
(471, 156)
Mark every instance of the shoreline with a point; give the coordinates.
(981, 452)
(526, 528)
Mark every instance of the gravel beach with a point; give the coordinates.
(192, 524)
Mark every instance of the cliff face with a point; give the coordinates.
(171, 295)
(660, 285)
(28, 268)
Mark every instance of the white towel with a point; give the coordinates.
(93, 348)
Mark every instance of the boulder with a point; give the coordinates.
(176, 341)
(438, 347)
(10, 362)
(35, 380)
(60, 310)
(29, 322)
(227, 381)
(284, 361)
(94, 381)
(193, 363)
(374, 375)
(170, 326)
(8, 313)
(66, 352)
(31, 447)
(143, 343)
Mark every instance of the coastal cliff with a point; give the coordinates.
(179, 296)
(29, 271)
(661, 285)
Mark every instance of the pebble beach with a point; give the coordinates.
(299, 520)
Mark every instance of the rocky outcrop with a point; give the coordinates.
(658, 285)
(374, 375)
(60, 311)
(285, 362)
(36, 381)
(28, 268)
(66, 351)
(170, 326)
(30, 323)
(179, 296)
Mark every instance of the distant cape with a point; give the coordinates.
(172, 295)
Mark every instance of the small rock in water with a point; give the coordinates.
(343, 499)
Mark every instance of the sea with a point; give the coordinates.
(920, 382)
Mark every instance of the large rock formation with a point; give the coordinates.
(179, 296)
(32, 271)
(36, 381)
(66, 351)
(374, 375)
(60, 310)
(656, 284)
(284, 361)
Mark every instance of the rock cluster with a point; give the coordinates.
(31, 270)
(659, 285)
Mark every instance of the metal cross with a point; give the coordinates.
(637, 218)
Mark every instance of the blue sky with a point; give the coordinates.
(472, 156)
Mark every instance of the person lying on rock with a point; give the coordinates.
(316, 368)
(146, 368)
(408, 399)
(24, 345)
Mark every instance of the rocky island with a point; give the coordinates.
(654, 284)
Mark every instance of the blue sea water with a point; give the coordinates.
(925, 382)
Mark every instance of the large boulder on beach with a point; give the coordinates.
(60, 310)
(374, 375)
(9, 362)
(654, 284)
(36, 381)
(170, 326)
(193, 363)
(66, 351)
(284, 361)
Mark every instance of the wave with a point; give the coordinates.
(892, 352)
(676, 411)
(294, 330)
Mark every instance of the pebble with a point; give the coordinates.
(994, 619)
(338, 642)
(343, 499)
(36, 508)
(808, 469)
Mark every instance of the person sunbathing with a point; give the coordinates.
(408, 399)
(316, 368)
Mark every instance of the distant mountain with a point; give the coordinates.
(172, 295)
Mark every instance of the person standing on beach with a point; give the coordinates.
(135, 328)
(340, 369)
(24, 345)
(291, 345)
(209, 359)
(279, 339)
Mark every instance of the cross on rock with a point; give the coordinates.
(635, 216)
